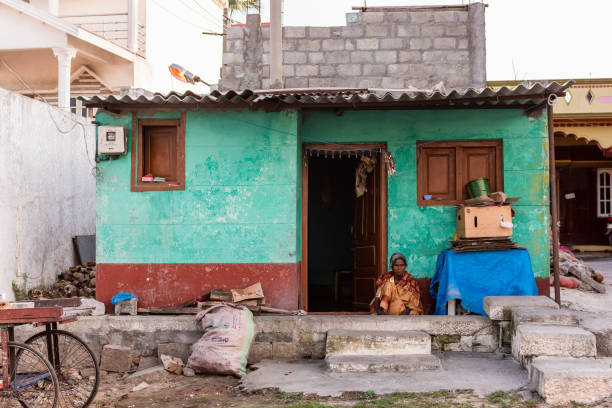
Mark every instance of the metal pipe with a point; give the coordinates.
(553, 201)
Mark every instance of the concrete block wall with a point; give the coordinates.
(393, 48)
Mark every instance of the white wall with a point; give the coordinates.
(47, 190)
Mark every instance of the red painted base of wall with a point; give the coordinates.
(173, 284)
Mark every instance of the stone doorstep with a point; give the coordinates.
(379, 342)
(543, 316)
(377, 364)
(562, 380)
(546, 340)
(500, 307)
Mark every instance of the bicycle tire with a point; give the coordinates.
(26, 398)
(70, 396)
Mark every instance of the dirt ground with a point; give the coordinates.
(169, 390)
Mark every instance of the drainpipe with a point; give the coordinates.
(133, 25)
(276, 45)
(553, 200)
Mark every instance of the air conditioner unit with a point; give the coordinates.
(112, 140)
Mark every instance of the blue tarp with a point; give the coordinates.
(470, 276)
(122, 297)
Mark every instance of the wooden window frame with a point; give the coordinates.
(459, 177)
(599, 200)
(138, 158)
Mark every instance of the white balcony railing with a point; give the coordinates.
(112, 26)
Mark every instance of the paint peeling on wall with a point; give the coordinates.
(422, 232)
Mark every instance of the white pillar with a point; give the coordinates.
(64, 57)
(53, 7)
(132, 43)
(276, 45)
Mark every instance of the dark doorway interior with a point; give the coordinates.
(331, 202)
(578, 215)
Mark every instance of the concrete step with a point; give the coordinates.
(377, 343)
(378, 364)
(544, 316)
(500, 307)
(563, 380)
(532, 340)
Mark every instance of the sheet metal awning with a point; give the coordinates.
(351, 98)
(588, 130)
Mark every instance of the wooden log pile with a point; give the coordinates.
(77, 281)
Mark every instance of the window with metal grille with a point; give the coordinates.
(603, 192)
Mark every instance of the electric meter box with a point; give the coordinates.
(112, 140)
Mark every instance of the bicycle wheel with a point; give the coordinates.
(75, 365)
(33, 383)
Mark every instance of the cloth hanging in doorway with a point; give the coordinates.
(366, 166)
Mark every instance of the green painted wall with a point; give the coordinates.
(422, 232)
(243, 176)
(240, 204)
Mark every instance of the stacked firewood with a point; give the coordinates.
(78, 281)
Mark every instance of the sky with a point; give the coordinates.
(526, 39)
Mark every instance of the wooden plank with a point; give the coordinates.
(16, 316)
(169, 310)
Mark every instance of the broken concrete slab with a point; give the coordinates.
(379, 364)
(119, 359)
(147, 362)
(534, 340)
(601, 326)
(563, 380)
(544, 316)
(371, 342)
(499, 307)
(146, 371)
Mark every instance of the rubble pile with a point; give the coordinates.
(77, 281)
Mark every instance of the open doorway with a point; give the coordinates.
(344, 235)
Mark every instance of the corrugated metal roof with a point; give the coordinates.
(352, 98)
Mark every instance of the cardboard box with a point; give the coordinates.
(484, 222)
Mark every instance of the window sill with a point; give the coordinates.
(157, 186)
(437, 203)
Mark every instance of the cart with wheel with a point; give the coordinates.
(71, 365)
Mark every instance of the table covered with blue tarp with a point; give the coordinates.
(470, 276)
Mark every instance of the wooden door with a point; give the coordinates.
(366, 238)
(578, 208)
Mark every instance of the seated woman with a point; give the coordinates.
(398, 292)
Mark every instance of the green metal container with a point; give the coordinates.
(478, 187)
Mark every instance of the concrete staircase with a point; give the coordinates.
(379, 351)
(559, 355)
(563, 380)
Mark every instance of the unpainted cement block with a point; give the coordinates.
(356, 342)
(377, 364)
(499, 307)
(119, 359)
(563, 341)
(563, 380)
(127, 307)
(544, 316)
